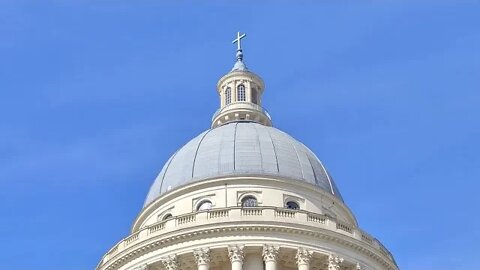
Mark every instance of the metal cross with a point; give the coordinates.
(237, 40)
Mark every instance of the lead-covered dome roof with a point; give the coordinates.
(241, 149)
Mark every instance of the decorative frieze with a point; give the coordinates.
(270, 253)
(236, 253)
(303, 256)
(170, 262)
(202, 256)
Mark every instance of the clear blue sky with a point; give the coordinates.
(96, 95)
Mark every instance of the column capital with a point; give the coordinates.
(170, 262)
(236, 253)
(202, 256)
(334, 262)
(303, 256)
(270, 253)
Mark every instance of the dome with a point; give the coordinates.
(242, 149)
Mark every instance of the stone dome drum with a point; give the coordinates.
(242, 149)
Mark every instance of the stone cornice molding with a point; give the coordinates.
(270, 253)
(162, 241)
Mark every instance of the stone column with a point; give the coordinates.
(202, 257)
(334, 262)
(303, 258)
(170, 262)
(270, 255)
(236, 255)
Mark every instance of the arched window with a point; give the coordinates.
(254, 96)
(241, 92)
(292, 205)
(167, 216)
(204, 205)
(228, 96)
(249, 201)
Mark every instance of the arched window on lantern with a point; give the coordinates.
(228, 96)
(241, 93)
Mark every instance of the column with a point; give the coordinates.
(202, 257)
(270, 255)
(334, 262)
(170, 262)
(236, 255)
(303, 258)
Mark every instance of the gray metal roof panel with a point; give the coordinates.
(242, 148)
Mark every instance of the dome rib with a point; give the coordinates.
(196, 151)
(274, 150)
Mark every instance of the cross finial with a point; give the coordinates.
(238, 39)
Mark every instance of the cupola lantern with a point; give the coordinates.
(240, 93)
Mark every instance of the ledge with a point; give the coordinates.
(236, 215)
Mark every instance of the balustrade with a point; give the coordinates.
(236, 213)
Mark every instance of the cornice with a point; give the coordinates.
(232, 229)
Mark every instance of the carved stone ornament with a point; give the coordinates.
(334, 262)
(270, 253)
(303, 256)
(170, 262)
(202, 256)
(236, 253)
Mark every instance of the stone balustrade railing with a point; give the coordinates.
(235, 214)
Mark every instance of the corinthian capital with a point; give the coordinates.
(334, 262)
(202, 256)
(270, 253)
(170, 262)
(236, 253)
(303, 256)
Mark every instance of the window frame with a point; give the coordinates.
(241, 93)
(228, 96)
(249, 197)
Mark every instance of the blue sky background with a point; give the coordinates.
(96, 95)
